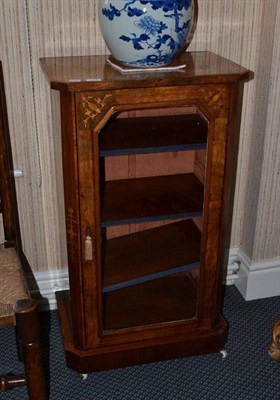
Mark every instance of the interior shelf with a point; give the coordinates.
(167, 299)
(122, 136)
(151, 254)
(152, 199)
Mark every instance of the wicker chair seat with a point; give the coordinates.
(12, 285)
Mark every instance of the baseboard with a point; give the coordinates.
(258, 279)
(48, 282)
(233, 266)
(254, 280)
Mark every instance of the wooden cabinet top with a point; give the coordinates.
(84, 73)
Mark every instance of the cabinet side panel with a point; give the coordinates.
(71, 198)
(231, 168)
(220, 186)
(210, 282)
(224, 163)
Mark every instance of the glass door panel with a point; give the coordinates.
(152, 168)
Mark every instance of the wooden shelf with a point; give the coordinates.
(153, 134)
(172, 298)
(151, 254)
(152, 199)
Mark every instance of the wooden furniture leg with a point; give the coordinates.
(28, 334)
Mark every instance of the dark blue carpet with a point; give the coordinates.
(247, 373)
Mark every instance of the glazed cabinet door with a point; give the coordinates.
(150, 167)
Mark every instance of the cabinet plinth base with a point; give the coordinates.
(104, 358)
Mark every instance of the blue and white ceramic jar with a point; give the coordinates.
(145, 33)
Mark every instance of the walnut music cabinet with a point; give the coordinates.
(149, 165)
